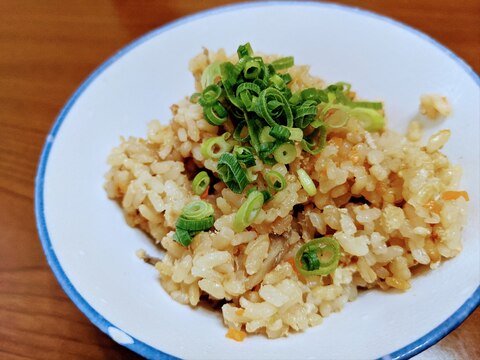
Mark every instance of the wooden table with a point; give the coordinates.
(46, 49)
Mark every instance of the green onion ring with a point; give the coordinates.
(275, 180)
(231, 173)
(200, 183)
(307, 182)
(310, 257)
(285, 153)
(196, 210)
(248, 211)
(214, 147)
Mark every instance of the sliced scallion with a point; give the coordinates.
(275, 180)
(200, 183)
(283, 63)
(248, 211)
(265, 136)
(215, 114)
(318, 257)
(285, 153)
(307, 182)
(214, 147)
(196, 210)
(196, 216)
(369, 119)
(210, 95)
(231, 173)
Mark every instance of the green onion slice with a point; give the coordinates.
(318, 257)
(244, 155)
(335, 116)
(200, 183)
(244, 50)
(283, 63)
(265, 136)
(307, 182)
(275, 180)
(241, 132)
(214, 147)
(210, 75)
(195, 225)
(197, 210)
(215, 114)
(231, 173)
(315, 141)
(274, 108)
(210, 95)
(182, 236)
(248, 211)
(369, 119)
(285, 153)
(280, 132)
(296, 134)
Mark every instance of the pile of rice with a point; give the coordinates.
(379, 195)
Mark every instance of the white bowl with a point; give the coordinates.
(91, 249)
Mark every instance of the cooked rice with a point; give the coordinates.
(378, 195)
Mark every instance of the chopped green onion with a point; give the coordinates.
(244, 155)
(210, 75)
(231, 173)
(196, 216)
(295, 99)
(200, 183)
(252, 69)
(367, 105)
(277, 81)
(335, 116)
(214, 147)
(296, 134)
(195, 97)
(265, 153)
(215, 114)
(196, 210)
(248, 211)
(210, 95)
(266, 195)
(244, 50)
(195, 225)
(285, 153)
(280, 132)
(273, 106)
(307, 182)
(283, 63)
(241, 132)
(182, 236)
(369, 119)
(265, 136)
(275, 180)
(312, 146)
(318, 257)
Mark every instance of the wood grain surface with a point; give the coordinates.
(46, 49)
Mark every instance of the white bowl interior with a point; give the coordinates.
(96, 249)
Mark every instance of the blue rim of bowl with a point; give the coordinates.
(138, 346)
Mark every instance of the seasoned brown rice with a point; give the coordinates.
(378, 194)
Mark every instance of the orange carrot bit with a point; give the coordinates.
(237, 335)
(454, 195)
(205, 194)
(434, 206)
(239, 312)
(291, 261)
